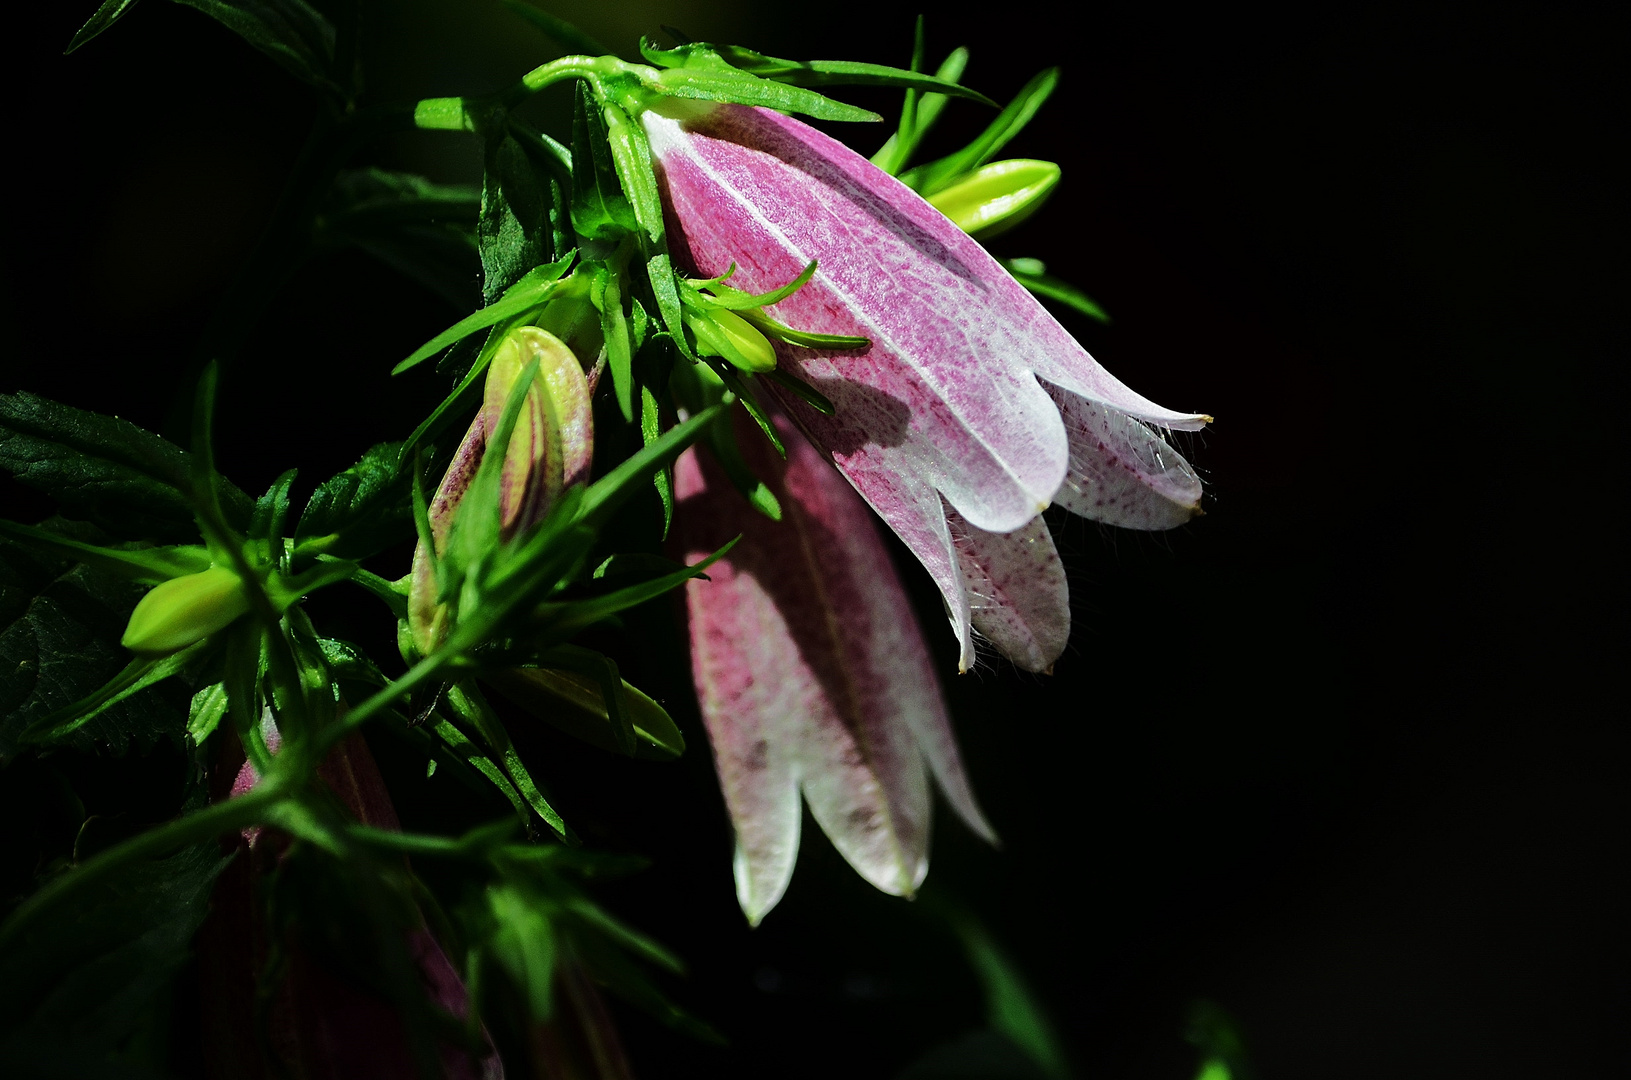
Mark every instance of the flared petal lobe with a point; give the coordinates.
(954, 402)
(813, 676)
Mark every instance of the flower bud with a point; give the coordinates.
(550, 449)
(998, 196)
(185, 610)
(722, 332)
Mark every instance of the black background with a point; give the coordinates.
(1342, 756)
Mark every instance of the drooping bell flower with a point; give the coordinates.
(812, 675)
(550, 449)
(971, 410)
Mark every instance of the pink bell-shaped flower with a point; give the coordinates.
(971, 410)
(812, 675)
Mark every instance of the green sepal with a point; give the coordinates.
(736, 386)
(737, 300)
(932, 177)
(707, 57)
(727, 84)
(803, 391)
(606, 293)
(782, 332)
(918, 116)
(650, 431)
(600, 209)
(559, 620)
(722, 441)
(1033, 274)
(529, 292)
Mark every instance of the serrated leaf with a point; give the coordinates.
(272, 511)
(84, 975)
(360, 511)
(59, 642)
(108, 471)
(109, 13)
(513, 228)
(936, 175)
(292, 32)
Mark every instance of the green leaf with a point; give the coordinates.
(513, 228)
(651, 429)
(109, 13)
(526, 294)
(105, 470)
(1012, 1007)
(847, 73)
(570, 693)
(523, 943)
(88, 972)
(424, 231)
(150, 565)
(930, 178)
(137, 675)
(204, 714)
(361, 511)
(272, 511)
(600, 210)
(606, 294)
(59, 641)
(605, 495)
(560, 31)
(1032, 274)
(292, 32)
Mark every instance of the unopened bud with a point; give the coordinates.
(722, 332)
(551, 448)
(185, 610)
(998, 196)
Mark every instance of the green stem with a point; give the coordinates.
(229, 816)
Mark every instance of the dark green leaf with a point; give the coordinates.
(86, 973)
(150, 565)
(560, 31)
(109, 13)
(138, 675)
(930, 178)
(600, 210)
(562, 619)
(846, 73)
(722, 441)
(291, 32)
(272, 511)
(360, 511)
(513, 229)
(105, 470)
(424, 231)
(651, 430)
(59, 641)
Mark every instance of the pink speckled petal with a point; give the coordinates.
(1121, 472)
(1018, 595)
(812, 675)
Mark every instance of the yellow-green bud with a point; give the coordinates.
(722, 332)
(998, 196)
(185, 610)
